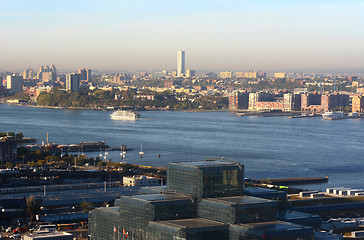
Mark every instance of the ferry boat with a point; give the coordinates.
(124, 115)
(330, 115)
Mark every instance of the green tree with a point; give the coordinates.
(33, 206)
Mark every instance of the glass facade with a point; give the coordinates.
(101, 222)
(137, 211)
(240, 209)
(203, 201)
(270, 231)
(188, 229)
(206, 178)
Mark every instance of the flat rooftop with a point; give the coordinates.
(160, 197)
(192, 223)
(274, 226)
(207, 163)
(240, 200)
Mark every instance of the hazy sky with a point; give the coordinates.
(267, 35)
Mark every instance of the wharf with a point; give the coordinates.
(293, 181)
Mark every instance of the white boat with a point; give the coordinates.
(330, 115)
(124, 115)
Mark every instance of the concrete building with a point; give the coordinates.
(73, 82)
(140, 181)
(181, 67)
(14, 83)
(85, 74)
(47, 73)
(225, 75)
(203, 201)
(280, 75)
(251, 74)
(357, 103)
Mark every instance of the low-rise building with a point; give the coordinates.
(140, 181)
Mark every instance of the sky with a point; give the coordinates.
(217, 35)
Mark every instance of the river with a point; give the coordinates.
(268, 147)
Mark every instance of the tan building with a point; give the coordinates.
(140, 181)
(357, 103)
(280, 75)
(225, 75)
(251, 74)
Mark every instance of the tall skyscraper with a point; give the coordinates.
(73, 82)
(181, 67)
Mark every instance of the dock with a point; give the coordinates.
(293, 181)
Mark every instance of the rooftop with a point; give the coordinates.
(160, 197)
(240, 200)
(192, 223)
(207, 163)
(274, 226)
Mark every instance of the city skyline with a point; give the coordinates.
(217, 34)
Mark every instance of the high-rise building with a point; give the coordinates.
(73, 82)
(85, 74)
(51, 73)
(14, 83)
(181, 67)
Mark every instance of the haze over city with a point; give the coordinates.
(216, 35)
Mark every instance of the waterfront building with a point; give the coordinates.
(181, 67)
(14, 83)
(238, 100)
(357, 103)
(203, 200)
(140, 181)
(335, 101)
(311, 102)
(280, 75)
(73, 82)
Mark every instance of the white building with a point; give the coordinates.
(181, 67)
(73, 82)
(140, 181)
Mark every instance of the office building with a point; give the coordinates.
(181, 67)
(14, 83)
(203, 200)
(73, 82)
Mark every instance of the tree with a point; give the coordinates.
(33, 206)
(86, 206)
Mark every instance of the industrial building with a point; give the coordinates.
(202, 200)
